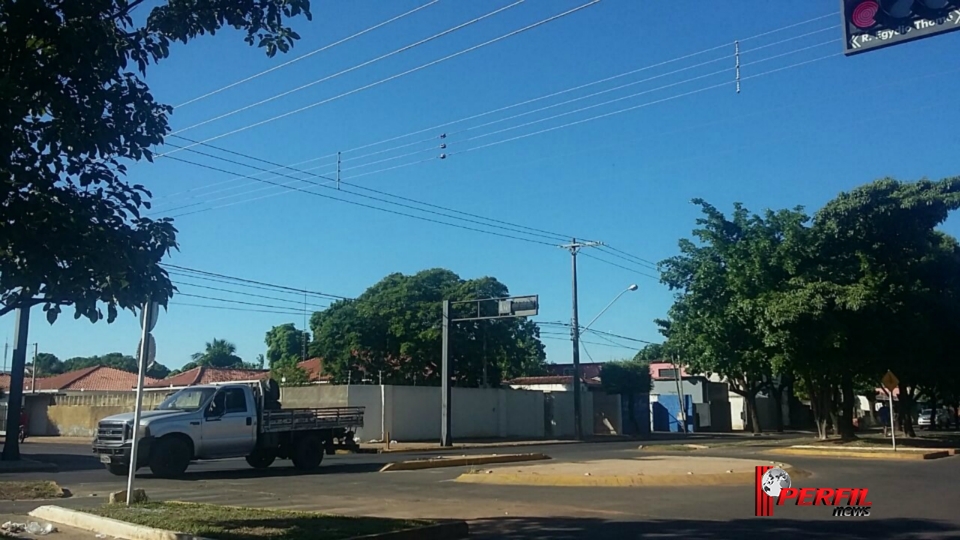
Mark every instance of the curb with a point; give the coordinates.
(453, 530)
(27, 465)
(867, 454)
(106, 526)
(951, 451)
(465, 461)
(657, 480)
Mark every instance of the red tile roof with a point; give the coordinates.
(209, 375)
(91, 379)
(5, 381)
(314, 369)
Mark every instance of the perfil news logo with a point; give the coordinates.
(774, 483)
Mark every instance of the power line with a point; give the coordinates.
(607, 79)
(363, 205)
(189, 295)
(244, 293)
(309, 54)
(611, 263)
(513, 227)
(598, 332)
(396, 76)
(286, 184)
(640, 259)
(635, 107)
(228, 308)
(253, 282)
(632, 259)
(350, 69)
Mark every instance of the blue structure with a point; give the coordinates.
(667, 416)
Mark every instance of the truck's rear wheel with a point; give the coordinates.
(261, 459)
(308, 453)
(118, 469)
(170, 457)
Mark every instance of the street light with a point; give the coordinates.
(576, 360)
(631, 288)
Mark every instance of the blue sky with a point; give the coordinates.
(794, 137)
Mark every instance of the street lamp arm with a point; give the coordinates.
(604, 310)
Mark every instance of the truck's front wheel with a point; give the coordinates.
(170, 457)
(308, 453)
(261, 459)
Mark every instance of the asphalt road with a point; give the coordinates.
(910, 499)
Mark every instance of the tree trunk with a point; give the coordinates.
(776, 391)
(905, 412)
(834, 409)
(819, 406)
(848, 398)
(750, 398)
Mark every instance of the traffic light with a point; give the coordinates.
(872, 24)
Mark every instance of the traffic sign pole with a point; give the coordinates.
(148, 319)
(893, 432)
(890, 382)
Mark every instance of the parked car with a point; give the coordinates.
(926, 418)
(226, 421)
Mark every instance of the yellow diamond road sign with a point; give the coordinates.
(890, 381)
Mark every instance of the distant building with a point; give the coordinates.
(209, 375)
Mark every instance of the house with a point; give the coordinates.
(314, 370)
(208, 375)
(705, 402)
(91, 379)
(588, 370)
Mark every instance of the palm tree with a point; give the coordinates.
(218, 353)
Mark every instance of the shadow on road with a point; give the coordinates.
(758, 528)
(64, 462)
(277, 471)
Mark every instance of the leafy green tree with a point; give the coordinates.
(47, 364)
(394, 327)
(630, 379)
(653, 352)
(720, 283)
(218, 353)
(75, 113)
(114, 360)
(285, 341)
(287, 372)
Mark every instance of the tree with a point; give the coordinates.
(653, 352)
(287, 371)
(75, 113)
(114, 360)
(630, 379)
(721, 282)
(218, 353)
(285, 341)
(394, 327)
(47, 364)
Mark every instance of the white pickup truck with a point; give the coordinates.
(226, 421)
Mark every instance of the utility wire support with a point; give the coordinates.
(574, 247)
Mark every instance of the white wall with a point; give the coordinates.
(412, 413)
(563, 414)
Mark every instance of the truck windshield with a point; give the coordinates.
(188, 399)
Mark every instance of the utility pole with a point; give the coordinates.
(445, 373)
(33, 381)
(11, 444)
(6, 348)
(574, 248)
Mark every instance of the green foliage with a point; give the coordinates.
(653, 352)
(76, 110)
(627, 377)
(218, 353)
(47, 364)
(286, 371)
(114, 360)
(395, 327)
(832, 302)
(285, 341)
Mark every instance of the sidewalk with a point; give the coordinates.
(63, 532)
